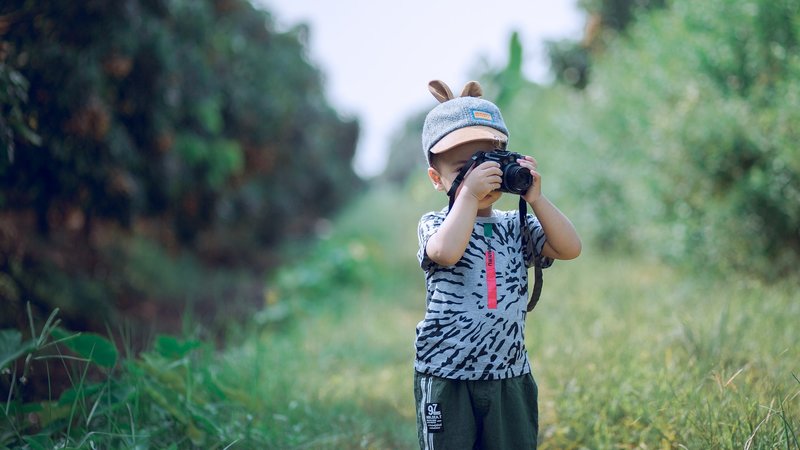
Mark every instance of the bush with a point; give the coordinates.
(687, 129)
(194, 124)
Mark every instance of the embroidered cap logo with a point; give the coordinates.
(482, 115)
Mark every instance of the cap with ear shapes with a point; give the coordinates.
(459, 120)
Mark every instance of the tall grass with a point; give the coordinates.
(632, 354)
(628, 353)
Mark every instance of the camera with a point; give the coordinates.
(516, 179)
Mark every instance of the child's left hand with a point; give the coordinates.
(535, 191)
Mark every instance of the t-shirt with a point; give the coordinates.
(468, 334)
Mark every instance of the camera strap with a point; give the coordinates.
(523, 213)
(537, 261)
(460, 177)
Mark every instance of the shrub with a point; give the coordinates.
(195, 124)
(688, 127)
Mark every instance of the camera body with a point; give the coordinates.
(515, 179)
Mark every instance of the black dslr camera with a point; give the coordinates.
(516, 179)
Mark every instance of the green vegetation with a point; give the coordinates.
(676, 328)
(628, 353)
(187, 127)
(685, 137)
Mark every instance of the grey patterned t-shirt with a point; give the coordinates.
(466, 335)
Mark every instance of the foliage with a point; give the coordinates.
(508, 81)
(627, 352)
(194, 124)
(681, 145)
(570, 60)
(619, 14)
(684, 142)
(166, 398)
(696, 150)
(634, 354)
(21, 417)
(181, 393)
(13, 97)
(686, 122)
(405, 151)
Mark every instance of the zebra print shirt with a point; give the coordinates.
(460, 336)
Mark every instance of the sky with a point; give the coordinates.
(377, 57)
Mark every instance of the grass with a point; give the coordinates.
(637, 355)
(628, 353)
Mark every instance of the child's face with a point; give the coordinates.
(449, 164)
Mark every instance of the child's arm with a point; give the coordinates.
(562, 239)
(447, 245)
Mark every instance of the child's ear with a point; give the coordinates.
(440, 90)
(436, 179)
(472, 89)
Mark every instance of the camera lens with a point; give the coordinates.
(517, 179)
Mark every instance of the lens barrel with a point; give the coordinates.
(516, 179)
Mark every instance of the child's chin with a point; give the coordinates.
(491, 198)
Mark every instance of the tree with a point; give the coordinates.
(194, 124)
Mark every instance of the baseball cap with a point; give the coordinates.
(460, 120)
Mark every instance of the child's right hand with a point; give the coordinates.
(480, 181)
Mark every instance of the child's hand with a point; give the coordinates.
(483, 179)
(535, 191)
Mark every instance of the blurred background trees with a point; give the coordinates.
(154, 152)
(157, 154)
(671, 129)
(694, 117)
(143, 137)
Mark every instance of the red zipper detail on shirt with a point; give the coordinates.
(491, 281)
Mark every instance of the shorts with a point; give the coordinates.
(482, 414)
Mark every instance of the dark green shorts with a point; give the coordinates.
(458, 414)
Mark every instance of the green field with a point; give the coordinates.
(628, 353)
(678, 163)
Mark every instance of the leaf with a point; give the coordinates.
(69, 396)
(171, 347)
(91, 346)
(37, 442)
(208, 112)
(12, 347)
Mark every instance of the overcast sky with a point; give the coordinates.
(377, 57)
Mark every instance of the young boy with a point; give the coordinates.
(473, 384)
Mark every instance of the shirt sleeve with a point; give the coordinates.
(428, 225)
(535, 243)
